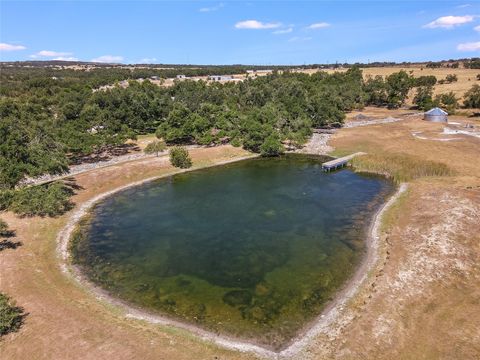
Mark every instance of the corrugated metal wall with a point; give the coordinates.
(436, 118)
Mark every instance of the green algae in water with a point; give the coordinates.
(253, 249)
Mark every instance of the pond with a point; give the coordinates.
(253, 249)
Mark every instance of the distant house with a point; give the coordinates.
(262, 71)
(180, 76)
(436, 115)
(220, 77)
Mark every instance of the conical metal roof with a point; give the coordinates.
(436, 111)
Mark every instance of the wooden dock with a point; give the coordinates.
(339, 162)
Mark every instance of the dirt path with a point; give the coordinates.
(83, 168)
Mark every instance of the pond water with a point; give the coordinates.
(253, 249)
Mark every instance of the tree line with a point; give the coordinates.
(50, 118)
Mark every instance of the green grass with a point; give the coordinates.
(400, 167)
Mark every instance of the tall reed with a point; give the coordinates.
(400, 167)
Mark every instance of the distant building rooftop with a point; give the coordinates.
(220, 77)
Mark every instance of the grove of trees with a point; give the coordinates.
(50, 118)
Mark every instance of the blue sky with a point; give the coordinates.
(234, 32)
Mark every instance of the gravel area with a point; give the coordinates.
(317, 145)
(77, 169)
(371, 121)
(352, 124)
(450, 131)
(81, 168)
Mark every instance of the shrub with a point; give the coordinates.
(472, 64)
(447, 101)
(272, 146)
(433, 65)
(472, 97)
(3, 227)
(155, 147)
(451, 78)
(236, 142)
(180, 158)
(429, 80)
(6, 197)
(11, 316)
(4, 232)
(43, 200)
(423, 98)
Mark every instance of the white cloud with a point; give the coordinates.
(48, 53)
(213, 8)
(10, 47)
(299, 39)
(463, 6)
(147, 60)
(477, 28)
(449, 22)
(54, 55)
(319, 25)
(65, 58)
(256, 25)
(283, 31)
(473, 46)
(108, 59)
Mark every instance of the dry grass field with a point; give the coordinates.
(466, 77)
(421, 300)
